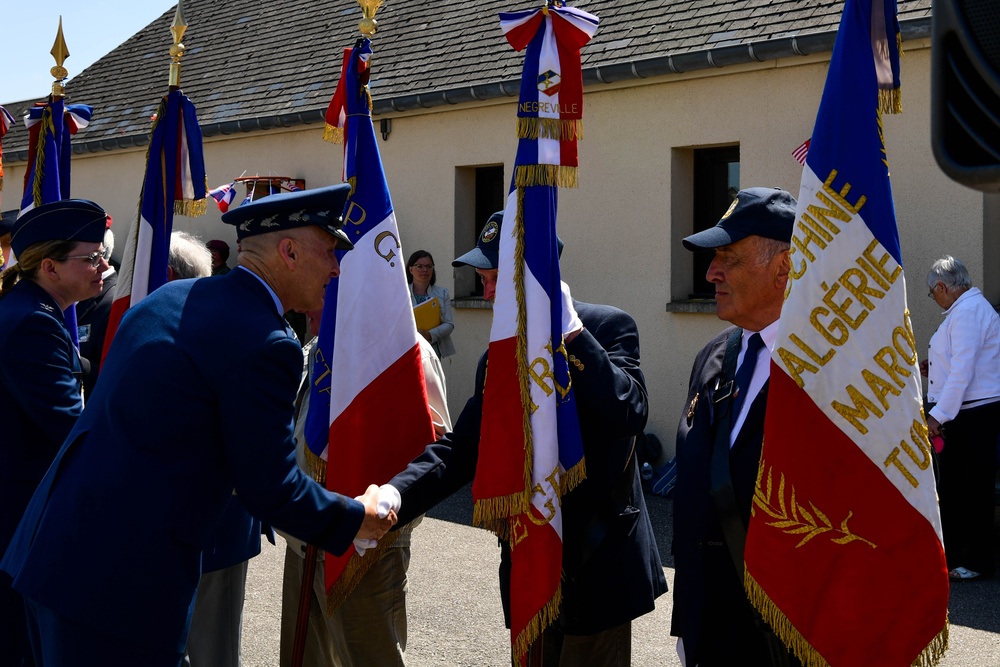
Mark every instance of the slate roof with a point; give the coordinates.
(254, 66)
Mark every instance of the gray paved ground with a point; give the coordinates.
(454, 607)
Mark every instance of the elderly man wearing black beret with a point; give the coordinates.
(720, 435)
(195, 399)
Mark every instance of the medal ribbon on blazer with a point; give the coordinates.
(844, 556)
(531, 452)
(368, 387)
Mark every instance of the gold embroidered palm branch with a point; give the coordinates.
(792, 518)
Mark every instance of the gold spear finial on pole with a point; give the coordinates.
(177, 50)
(60, 52)
(368, 24)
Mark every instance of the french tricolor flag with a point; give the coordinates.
(844, 555)
(550, 108)
(531, 451)
(174, 183)
(367, 341)
(50, 126)
(224, 195)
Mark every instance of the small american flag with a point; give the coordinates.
(801, 152)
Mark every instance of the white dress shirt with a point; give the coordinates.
(761, 372)
(964, 357)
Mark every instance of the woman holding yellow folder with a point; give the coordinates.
(431, 304)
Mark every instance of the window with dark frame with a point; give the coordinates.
(716, 182)
(490, 193)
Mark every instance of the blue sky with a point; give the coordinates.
(91, 30)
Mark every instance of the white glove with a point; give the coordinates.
(571, 321)
(388, 499)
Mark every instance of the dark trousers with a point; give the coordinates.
(61, 642)
(608, 648)
(967, 487)
(13, 626)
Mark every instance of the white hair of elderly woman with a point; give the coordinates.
(189, 258)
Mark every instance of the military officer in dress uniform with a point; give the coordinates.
(195, 400)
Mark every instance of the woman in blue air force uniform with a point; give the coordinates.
(60, 260)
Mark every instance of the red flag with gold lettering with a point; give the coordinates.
(844, 555)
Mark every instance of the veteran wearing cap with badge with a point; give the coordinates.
(195, 400)
(720, 435)
(611, 566)
(59, 262)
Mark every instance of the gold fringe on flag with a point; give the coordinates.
(492, 513)
(355, 571)
(545, 617)
(333, 134)
(572, 477)
(190, 208)
(550, 128)
(804, 651)
(545, 174)
(934, 652)
(890, 100)
(315, 466)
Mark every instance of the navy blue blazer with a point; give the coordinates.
(39, 395)
(195, 399)
(623, 574)
(711, 611)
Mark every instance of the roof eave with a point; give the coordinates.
(724, 56)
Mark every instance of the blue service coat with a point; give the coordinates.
(40, 396)
(711, 612)
(622, 575)
(39, 403)
(196, 397)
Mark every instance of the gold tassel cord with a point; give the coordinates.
(46, 129)
(522, 342)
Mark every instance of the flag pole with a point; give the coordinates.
(60, 52)
(178, 28)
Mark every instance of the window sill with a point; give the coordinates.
(471, 302)
(692, 306)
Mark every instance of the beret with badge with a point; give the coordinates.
(321, 207)
(64, 220)
(766, 212)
